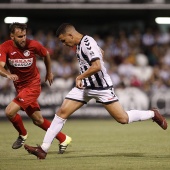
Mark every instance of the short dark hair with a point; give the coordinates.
(15, 25)
(62, 28)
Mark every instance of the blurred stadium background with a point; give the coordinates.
(137, 49)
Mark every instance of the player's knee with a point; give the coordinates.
(62, 113)
(38, 121)
(9, 113)
(123, 120)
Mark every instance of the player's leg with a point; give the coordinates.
(117, 112)
(67, 108)
(44, 124)
(23, 99)
(110, 101)
(11, 113)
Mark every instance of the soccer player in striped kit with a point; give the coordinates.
(19, 54)
(93, 82)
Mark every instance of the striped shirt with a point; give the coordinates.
(87, 51)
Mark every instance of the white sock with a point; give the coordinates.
(53, 130)
(137, 115)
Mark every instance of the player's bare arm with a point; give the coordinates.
(49, 75)
(94, 68)
(5, 73)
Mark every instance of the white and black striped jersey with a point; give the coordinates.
(88, 51)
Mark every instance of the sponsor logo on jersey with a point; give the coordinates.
(0, 54)
(26, 53)
(13, 53)
(21, 62)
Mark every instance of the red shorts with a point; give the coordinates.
(27, 99)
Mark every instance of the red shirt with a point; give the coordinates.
(22, 62)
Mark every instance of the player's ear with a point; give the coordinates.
(71, 36)
(12, 36)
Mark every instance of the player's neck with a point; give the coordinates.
(78, 38)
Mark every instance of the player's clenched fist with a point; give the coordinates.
(13, 77)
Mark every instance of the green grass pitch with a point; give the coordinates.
(97, 145)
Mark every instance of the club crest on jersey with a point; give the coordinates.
(26, 53)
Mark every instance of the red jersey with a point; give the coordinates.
(22, 62)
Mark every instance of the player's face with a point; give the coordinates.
(19, 38)
(67, 39)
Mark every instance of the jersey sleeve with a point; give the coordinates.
(92, 50)
(2, 53)
(40, 49)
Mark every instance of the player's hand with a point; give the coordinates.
(49, 77)
(79, 83)
(13, 77)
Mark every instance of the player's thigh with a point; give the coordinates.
(68, 107)
(12, 109)
(117, 112)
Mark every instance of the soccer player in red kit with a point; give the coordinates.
(19, 55)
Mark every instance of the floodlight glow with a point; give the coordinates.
(9, 20)
(162, 20)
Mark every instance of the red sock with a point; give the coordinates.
(18, 124)
(60, 136)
